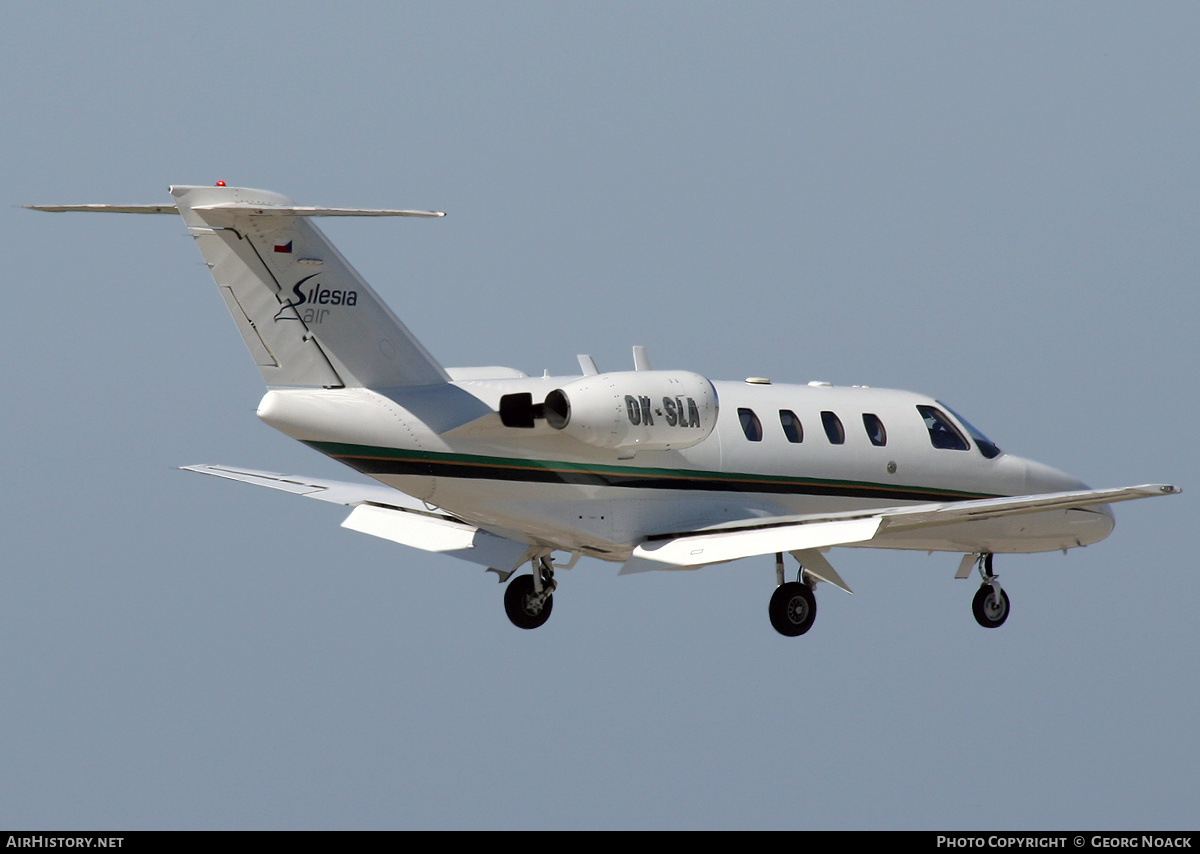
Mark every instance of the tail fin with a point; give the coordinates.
(307, 317)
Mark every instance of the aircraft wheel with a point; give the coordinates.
(520, 604)
(793, 608)
(989, 609)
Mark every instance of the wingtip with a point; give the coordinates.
(1151, 489)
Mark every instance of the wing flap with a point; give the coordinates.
(383, 512)
(434, 534)
(699, 549)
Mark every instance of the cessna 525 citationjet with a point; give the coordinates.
(646, 468)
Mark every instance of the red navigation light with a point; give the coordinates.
(220, 183)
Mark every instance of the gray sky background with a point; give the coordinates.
(992, 203)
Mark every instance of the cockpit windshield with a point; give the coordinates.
(985, 445)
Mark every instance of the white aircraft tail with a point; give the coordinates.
(306, 316)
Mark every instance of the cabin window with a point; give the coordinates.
(833, 428)
(791, 426)
(751, 426)
(985, 445)
(875, 431)
(942, 432)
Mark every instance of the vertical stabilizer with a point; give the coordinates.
(306, 316)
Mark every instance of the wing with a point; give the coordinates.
(731, 541)
(391, 515)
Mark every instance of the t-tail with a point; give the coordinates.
(305, 314)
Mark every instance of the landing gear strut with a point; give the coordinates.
(528, 599)
(793, 606)
(990, 605)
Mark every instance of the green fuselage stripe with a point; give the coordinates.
(393, 461)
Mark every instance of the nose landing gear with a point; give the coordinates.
(990, 605)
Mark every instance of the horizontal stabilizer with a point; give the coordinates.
(137, 209)
(305, 210)
(239, 207)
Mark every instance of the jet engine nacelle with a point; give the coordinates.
(635, 410)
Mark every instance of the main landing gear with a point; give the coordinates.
(793, 606)
(528, 599)
(990, 605)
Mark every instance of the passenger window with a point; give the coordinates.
(791, 426)
(751, 426)
(875, 431)
(833, 428)
(942, 432)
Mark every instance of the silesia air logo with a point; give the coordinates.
(313, 297)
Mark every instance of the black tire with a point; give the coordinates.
(793, 608)
(990, 611)
(516, 604)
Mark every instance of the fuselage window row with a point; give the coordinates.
(943, 433)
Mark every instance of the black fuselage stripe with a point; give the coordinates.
(376, 466)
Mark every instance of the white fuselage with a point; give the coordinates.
(445, 445)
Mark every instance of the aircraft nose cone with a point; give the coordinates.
(1093, 523)
(1040, 477)
(1085, 525)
